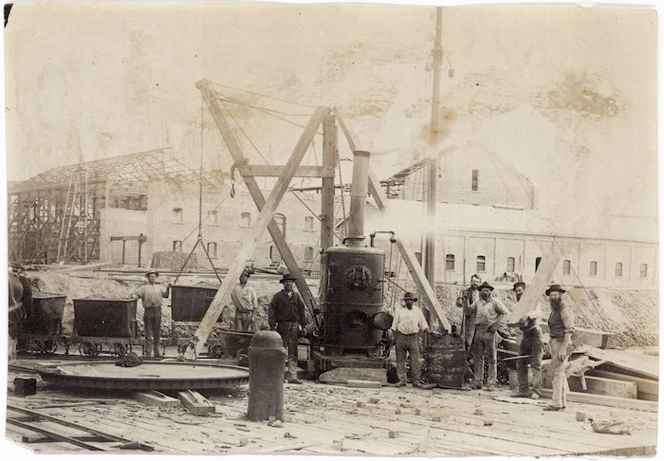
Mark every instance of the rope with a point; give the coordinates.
(264, 96)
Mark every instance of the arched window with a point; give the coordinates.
(481, 264)
(177, 246)
(308, 254)
(593, 269)
(212, 249)
(644, 271)
(449, 262)
(510, 264)
(309, 223)
(567, 267)
(177, 215)
(618, 269)
(245, 219)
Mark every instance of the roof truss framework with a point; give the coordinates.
(48, 214)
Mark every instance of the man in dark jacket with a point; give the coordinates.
(287, 317)
(465, 299)
(531, 344)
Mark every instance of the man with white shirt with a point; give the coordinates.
(408, 322)
(245, 301)
(489, 312)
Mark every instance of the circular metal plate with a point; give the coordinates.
(148, 375)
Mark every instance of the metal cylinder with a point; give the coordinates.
(266, 376)
(358, 196)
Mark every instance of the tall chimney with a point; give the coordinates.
(358, 197)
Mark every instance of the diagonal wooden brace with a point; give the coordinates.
(210, 97)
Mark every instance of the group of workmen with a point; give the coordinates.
(482, 322)
(286, 314)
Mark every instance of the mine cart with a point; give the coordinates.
(106, 322)
(41, 330)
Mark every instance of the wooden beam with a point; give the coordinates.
(265, 219)
(602, 386)
(209, 95)
(605, 400)
(596, 338)
(196, 403)
(647, 389)
(415, 269)
(327, 191)
(534, 289)
(155, 398)
(276, 170)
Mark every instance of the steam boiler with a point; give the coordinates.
(353, 319)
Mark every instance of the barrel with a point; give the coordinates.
(446, 361)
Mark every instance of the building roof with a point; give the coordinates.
(152, 165)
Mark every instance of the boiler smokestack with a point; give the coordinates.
(358, 197)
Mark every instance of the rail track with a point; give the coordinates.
(48, 429)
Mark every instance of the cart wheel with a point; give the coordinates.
(51, 347)
(118, 350)
(128, 348)
(98, 348)
(34, 346)
(216, 350)
(87, 349)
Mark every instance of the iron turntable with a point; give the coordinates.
(163, 375)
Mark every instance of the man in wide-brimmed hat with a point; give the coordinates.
(245, 301)
(151, 296)
(531, 344)
(489, 312)
(286, 315)
(408, 322)
(561, 328)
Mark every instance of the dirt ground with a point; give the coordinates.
(631, 314)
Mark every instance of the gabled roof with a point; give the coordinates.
(158, 164)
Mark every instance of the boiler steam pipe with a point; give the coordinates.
(358, 197)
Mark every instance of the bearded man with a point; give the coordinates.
(489, 312)
(561, 326)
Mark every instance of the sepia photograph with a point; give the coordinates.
(337, 229)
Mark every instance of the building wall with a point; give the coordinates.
(118, 222)
(497, 182)
(235, 220)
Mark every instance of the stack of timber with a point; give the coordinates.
(624, 379)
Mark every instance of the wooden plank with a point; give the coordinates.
(156, 399)
(622, 362)
(265, 218)
(602, 386)
(209, 95)
(595, 338)
(431, 301)
(607, 401)
(535, 288)
(647, 389)
(274, 171)
(196, 403)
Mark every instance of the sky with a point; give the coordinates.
(566, 95)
